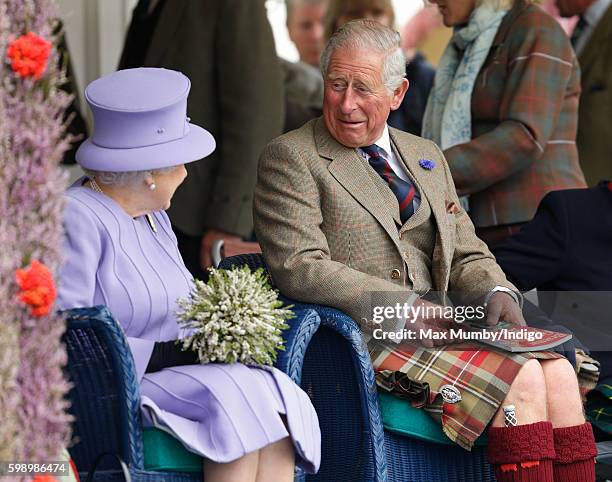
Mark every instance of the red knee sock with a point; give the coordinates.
(576, 450)
(523, 453)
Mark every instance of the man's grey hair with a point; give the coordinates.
(129, 178)
(293, 4)
(370, 35)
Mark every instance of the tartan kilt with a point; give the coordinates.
(482, 375)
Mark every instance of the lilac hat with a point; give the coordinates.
(141, 123)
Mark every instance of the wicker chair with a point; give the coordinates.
(338, 376)
(105, 398)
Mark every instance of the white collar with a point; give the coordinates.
(384, 141)
(597, 10)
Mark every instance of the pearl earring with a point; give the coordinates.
(152, 186)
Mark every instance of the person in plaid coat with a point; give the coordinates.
(357, 215)
(504, 110)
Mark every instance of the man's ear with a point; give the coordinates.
(398, 94)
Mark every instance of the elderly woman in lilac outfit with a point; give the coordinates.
(249, 424)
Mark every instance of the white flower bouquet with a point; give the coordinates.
(234, 318)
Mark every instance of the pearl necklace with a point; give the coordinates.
(95, 187)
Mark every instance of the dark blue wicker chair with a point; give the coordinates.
(338, 376)
(105, 398)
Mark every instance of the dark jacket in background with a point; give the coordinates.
(303, 93)
(595, 113)
(227, 49)
(409, 116)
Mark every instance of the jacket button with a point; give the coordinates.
(401, 236)
(395, 274)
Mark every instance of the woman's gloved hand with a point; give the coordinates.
(169, 354)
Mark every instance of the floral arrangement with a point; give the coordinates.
(34, 424)
(234, 318)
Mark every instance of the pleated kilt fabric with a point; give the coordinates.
(482, 375)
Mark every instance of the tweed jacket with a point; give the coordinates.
(595, 113)
(328, 224)
(227, 49)
(524, 115)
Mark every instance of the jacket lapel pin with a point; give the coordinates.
(427, 164)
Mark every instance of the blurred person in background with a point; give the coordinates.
(504, 110)
(227, 49)
(592, 40)
(305, 27)
(568, 24)
(302, 80)
(409, 115)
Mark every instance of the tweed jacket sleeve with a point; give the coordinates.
(523, 95)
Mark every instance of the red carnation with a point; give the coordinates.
(37, 288)
(29, 54)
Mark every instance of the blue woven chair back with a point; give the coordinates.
(104, 395)
(253, 261)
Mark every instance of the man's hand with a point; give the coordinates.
(501, 306)
(210, 236)
(428, 319)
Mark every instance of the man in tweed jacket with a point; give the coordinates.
(353, 214)
(329, 225)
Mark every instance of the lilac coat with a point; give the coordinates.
(218, 411)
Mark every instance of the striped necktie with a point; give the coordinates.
(404, 190)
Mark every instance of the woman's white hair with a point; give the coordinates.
(129, 178)
(369, 34)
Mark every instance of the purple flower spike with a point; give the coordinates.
(427, 164)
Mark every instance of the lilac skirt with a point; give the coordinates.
(223, 412)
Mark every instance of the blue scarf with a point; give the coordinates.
(448, 116)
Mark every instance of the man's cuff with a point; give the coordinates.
(516, 295)
(401, 323)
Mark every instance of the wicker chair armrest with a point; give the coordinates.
(301, 330)
(87, 327)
